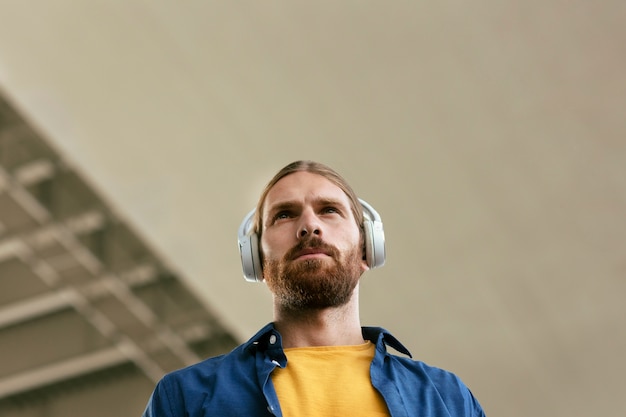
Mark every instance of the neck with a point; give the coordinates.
(335, 326)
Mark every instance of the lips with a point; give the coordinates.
(310, 252)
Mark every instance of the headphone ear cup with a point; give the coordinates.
(250, 258)
(249, 251)
(374, 243)
(374, 237)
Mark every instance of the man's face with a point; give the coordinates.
(312, 247)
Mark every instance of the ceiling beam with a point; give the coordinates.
(62, 370)
(37, 306)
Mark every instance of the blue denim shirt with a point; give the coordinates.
(238, 383)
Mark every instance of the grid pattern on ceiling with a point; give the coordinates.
(80, 292)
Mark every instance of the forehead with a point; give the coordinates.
(302, 187)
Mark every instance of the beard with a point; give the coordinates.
(313, 283)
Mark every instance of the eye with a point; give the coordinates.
(330, 210)
(282, 215)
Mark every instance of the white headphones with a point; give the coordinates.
(251, 257)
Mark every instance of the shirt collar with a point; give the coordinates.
(261, 340)
(268, 337)
(381, 337)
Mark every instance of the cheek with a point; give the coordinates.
(264, 249)
(351, 245)
(272, 246)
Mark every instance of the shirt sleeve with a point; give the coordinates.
(458, 398)
(161, 403)
(477, 410)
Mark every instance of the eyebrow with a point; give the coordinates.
(290, 204)
(330, 202)
(284, 205)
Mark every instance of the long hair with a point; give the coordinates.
(314, 168)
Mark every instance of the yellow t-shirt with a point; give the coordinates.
(328, 381)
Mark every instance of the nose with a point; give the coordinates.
(309, 224)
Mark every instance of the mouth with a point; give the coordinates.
(311, 253)
(313, 248)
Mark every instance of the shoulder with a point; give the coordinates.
(435, 386)
(423, 371)
(406, 366)
(201, 373)
(233, 363)
(186, 389)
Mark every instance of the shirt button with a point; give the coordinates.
(272, 339)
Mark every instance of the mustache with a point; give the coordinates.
(312, 242)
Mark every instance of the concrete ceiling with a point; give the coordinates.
(87, 312)
(489, 135)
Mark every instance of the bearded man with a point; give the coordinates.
(310, 239)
